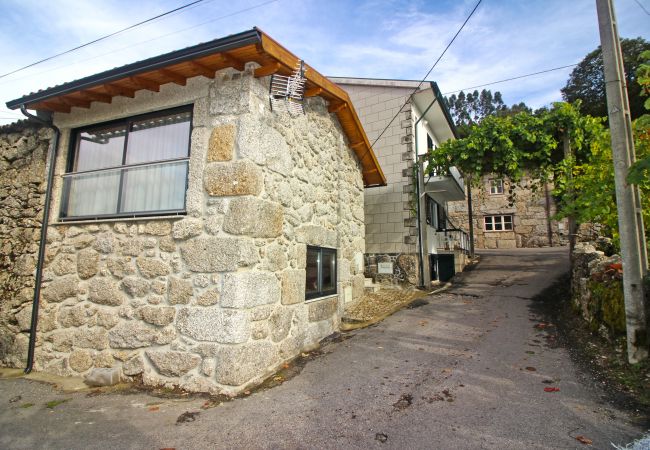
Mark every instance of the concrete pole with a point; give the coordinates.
(630, 223)
(470, 217)
(571, 220)
(422, 226)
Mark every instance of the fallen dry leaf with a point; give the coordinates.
(531, 369)
(584, 440)
(551, 389)
(154, 408)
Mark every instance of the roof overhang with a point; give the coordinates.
(206, 59)
(437, 116)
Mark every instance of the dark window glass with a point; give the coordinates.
(321, 272)
(135, 167)
(313, 262)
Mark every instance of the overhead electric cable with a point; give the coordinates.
(102, 38)
(214, 19)
(511, 79)
(642, 7)
(429, 72)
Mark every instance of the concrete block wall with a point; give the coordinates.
(387, 207)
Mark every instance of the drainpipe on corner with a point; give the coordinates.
(418, 173)
(51, 157)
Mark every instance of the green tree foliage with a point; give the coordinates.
(640, 171)
(587, 80)
(470, 109)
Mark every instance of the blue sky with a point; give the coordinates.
(366, 38)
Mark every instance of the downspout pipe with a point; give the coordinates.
(417, 192)
(51, 157)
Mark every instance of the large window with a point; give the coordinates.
(498, 223)
(321, 272)
(127, 168)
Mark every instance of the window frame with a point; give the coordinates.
(127, 122)
(497, 186)
(500, 220)
(320, 293)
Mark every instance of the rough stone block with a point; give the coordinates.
(87, 261)
(323, 309)
(157, 228)
(171, 363)
(107, 318)
(135, 286)
(254, 217)
(152, 268)
(103, 291)
(180, 291)
(239, 364)
(213, 254)
(187, 228)
(161, 316)
(80, 360)
(95, 338)
(133, 366)
(275, 257)
(213, 324)
(61, 288)
(249, 289)
(280, 323)
(293, 286)
(208, 298)
(103, 377)
(316, 235)
(135, 334)
(222, 143)
(74, 316)
(234, 178)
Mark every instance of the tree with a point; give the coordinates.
(587, 80)
(640, 171)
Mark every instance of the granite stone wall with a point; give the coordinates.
(23, 150)
(215, 300)
(525, 201)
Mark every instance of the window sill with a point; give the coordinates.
(178, 216)
(498, 231)
(324, 297)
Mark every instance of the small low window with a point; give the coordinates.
(131, 167)
(321, 272)
(496, 186)
(498, 223)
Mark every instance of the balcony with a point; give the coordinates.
(447, 186)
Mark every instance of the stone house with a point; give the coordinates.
(195, 238)
(512, 215)
(421, 121)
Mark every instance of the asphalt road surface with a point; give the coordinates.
(466, 370)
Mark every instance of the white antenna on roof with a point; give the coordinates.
(288, 93)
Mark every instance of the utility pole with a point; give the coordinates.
(470, 216)
(628, 200)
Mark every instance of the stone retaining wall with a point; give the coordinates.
(597, 289)
(215, 300)
(23, 150)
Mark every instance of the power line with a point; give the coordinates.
(214, 19)
(429, 72)
(513, 78)
(102, 38)
(642, 7)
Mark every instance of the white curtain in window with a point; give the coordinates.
(93, 194)
(154, 188)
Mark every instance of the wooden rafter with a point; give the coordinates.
(145, 83)
(97, 96)
(113, 89)
(313, 92)
(233, 62)
(174, 76)
(267, 70)
(70, 101)
(203, 69)
(335, 107)
(58, 107)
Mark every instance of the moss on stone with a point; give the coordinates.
(608, 306)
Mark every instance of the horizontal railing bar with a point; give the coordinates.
(130, 166)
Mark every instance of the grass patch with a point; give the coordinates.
(54, 403)
(26, 405)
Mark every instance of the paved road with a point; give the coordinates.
(447, 375)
